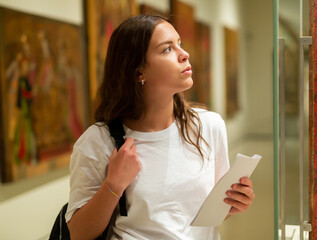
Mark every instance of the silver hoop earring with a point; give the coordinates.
(142, 81)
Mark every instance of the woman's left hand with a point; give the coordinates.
(240, 197)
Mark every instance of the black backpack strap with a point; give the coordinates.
(117, 132)
(60, 230)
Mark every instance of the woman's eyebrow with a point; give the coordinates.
(167, 42)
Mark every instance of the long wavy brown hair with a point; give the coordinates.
(121, 95)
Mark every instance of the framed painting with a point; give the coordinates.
(102, 17)
(231, 72)
(43, 98)
(203, 76)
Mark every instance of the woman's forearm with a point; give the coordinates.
(91, 219)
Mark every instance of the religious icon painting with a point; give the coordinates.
(43, 98)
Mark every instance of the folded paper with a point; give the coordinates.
(214, 210)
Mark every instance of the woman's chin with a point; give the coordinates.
(189, 84)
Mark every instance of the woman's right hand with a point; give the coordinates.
(123, 167)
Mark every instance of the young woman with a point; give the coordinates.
(173, 154)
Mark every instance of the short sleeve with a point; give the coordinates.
(88, 164)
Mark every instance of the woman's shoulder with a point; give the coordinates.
(212, 123)
(209, 116)
(96, 134)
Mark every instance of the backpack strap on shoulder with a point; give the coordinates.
(117, 132)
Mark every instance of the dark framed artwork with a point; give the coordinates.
(203, 75)
(102, 17)
(231, 72)
(43, 93)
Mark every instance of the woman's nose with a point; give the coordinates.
(183, 56)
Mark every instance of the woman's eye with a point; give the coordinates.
(180, 45)
(167, 50)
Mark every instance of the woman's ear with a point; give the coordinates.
(140, 77)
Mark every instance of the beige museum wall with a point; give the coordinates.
(18, 220)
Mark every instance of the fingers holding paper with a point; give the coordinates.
(240, 196)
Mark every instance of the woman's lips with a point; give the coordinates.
(187, 70)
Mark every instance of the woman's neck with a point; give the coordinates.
(157, 116)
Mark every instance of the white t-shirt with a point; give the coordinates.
(171, 186)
